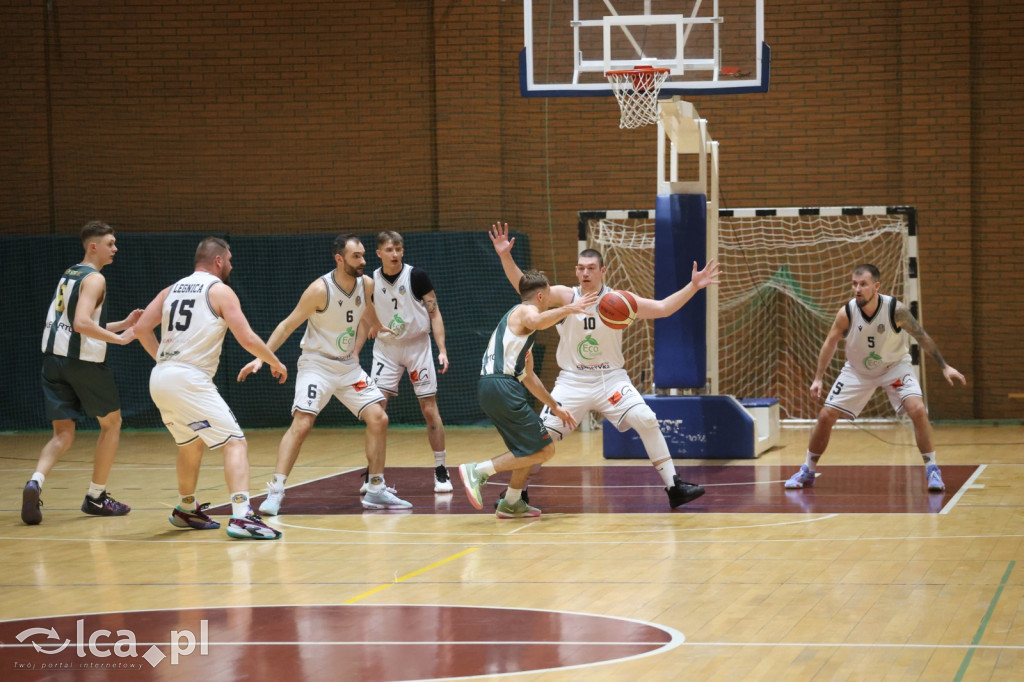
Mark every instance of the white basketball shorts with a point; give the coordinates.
(851, 391)
(609, 392)
(392, 360)
(190, 405)
(318, 378)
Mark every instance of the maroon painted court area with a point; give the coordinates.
(636, 490)
(345, 642)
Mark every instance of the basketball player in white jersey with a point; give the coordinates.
(875, 327)
(506, 377)
(338, 315)
(76, 380)
(592, 375)
(194, 314)
(406, 303)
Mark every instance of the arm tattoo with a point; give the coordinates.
(431, 304)
(909, 323)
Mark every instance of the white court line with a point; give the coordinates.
(795, 522)
(642, 487)
(862, 645)
(969, 484)
(536, 541)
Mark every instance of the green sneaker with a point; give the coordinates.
(474, 484)
(515, 511)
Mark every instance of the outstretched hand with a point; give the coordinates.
(709, 275)
(565, 415)
(950, 373)
(581, 304)
(499, 237)
(251, 367)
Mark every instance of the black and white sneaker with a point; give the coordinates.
(442, 481)
(104, 505)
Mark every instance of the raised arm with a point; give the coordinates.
(225, 303)
(89, 297)
(840, 325)
(148, 320)
(560, 295)
(503, 246)
(313, 298)
(437, 328)
(908, 322)
(648, 308)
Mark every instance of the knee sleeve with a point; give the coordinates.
(645, 422)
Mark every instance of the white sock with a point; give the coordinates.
(486, 468)
(95, 490)
(38, 478)
(928, 457)
(812, 460)
(512, 495)
(439, 458)
(279, 479)
(187, 503)
(666, 470)
(240, 504)
(375, 483)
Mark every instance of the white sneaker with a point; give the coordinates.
(385, 498)
(442, 481)
(275, 496)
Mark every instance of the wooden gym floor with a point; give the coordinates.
(866, 576)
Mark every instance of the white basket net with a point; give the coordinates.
(637, 90)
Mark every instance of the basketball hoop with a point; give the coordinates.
(637, 91)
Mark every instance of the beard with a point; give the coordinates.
(353, 271)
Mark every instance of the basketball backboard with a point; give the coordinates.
(711, 47)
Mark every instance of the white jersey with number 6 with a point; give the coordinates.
(331, 332)
(190, 332)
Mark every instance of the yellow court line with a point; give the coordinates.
(415, 573)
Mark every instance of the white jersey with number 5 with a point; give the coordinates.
(332, 331)
(873, 344)
(190, 332)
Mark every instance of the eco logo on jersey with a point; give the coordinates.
(397, 326)
(588, 348)
(346, 340)
(872, 361)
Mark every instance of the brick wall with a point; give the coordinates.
(269, 116)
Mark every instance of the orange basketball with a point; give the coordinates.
(617, 309)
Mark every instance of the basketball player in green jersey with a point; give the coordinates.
(76, 380)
